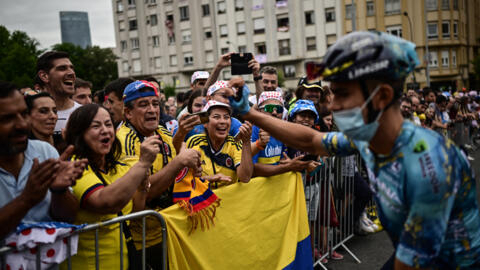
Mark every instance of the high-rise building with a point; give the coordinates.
(75, 28)
(170, 39)
(447, 27)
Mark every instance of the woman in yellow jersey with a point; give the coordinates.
(107, 188)
(224, 160)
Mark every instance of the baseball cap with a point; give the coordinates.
(217, 86)
(213, 103)
(304, 105)
(132, 91)
(270, 95)
(199, 75)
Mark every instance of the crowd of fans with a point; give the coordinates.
(130, 141)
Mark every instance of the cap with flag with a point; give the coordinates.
(132, 91)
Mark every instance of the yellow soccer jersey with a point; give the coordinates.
(109, 236)
(131, 142)
(224, 161)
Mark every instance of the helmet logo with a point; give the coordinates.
(361, 43)
(370, 68)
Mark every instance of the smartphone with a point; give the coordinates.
(240, 63)
(203, 116)
(309, 157)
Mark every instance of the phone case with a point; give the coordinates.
(240, 63)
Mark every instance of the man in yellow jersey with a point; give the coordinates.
(142, 112)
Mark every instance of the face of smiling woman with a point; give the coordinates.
(219, 122)
(101, 133)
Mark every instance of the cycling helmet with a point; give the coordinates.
(303, 105)
(369, 55)
(304, 82)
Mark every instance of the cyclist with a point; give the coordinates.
(425, 190)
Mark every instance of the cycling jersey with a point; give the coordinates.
(426, 196)
(273, 151)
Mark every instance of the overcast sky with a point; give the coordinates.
(40, 19)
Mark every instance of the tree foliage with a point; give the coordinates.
(18, 57)
(95, 64)
(169, 90)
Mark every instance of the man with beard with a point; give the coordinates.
(34, 181)
(406, 108)
(57, 74)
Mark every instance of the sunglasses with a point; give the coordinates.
(270, 107)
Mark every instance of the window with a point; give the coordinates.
(370, 8)
(126, 66)
(187, 59)
(289, 71)
(121, 25)
(151, 1)
(156, 41)
(281, 3)
(395, 30)
(123, 45)
(205, 10)
(348, 11)
(282, 24)
(135, 43)
(209, 56)
(223, 30)
(158, 62)
(432, 4)
(242, 49)
(392, 7)
(223, 51)
(257, 4)
(186, 36)
(433, 59)
(284, 46)
(445, 4)
(455, 4)
(240, 28)
(311, 44)
(132, 25)
(258, 25)
(119, 6)
(446, 29)
(432, 30)
(171, 39)
(184, 13)
(153, 20)
(445, 58)
(454, 58)
(260, 48)
(131, 3)
(330, 14)
(221, 7)
(173, 60)
(309, 18)
(239, 5)
(208, 33)
(137, 67)
(455, 29)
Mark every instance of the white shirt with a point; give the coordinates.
(63, 117)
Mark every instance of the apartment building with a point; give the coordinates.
(448, 27)
(170, 39)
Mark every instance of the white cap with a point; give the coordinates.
(199, 75)
(213, 103)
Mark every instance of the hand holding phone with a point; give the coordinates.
(203, 116)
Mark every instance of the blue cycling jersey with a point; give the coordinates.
(426, 197)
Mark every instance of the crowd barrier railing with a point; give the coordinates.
(4, 251)
(329, 197)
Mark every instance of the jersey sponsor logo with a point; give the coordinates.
(420, 146)
(272, 151)
(370, 68)
(428, 171)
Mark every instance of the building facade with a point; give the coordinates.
(75, 28)
(170, 39)
(447, 27)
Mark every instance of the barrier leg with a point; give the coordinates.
(38, 261)
(143, 244)
(97, 262)
(121, 246)
(69, 253)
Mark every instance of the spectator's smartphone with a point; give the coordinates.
(203, 116)
(309, 157)
(240, 63)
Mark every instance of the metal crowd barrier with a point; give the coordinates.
(95, 227)
(330, 200)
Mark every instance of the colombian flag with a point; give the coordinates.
(259, 225)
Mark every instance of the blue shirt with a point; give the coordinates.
(426, 196)
(10, 188)
(273, 150)
(199, 129)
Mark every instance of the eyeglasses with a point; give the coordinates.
(270, 107)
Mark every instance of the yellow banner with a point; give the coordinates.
(259, 225)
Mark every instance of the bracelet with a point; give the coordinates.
(58, 191)
(257, 143)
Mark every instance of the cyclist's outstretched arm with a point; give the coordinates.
(293, 135)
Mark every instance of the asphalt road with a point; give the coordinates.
(375, 249)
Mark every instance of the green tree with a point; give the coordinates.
(280, 78)
(169, 90)
(95, 64)
(18, 57)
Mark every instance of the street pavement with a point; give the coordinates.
(375, 249)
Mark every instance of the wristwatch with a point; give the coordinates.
(257, 78)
